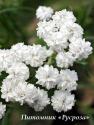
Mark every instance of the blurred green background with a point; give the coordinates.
(18, 24)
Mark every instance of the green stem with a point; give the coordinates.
(51, 59)
(6, 118)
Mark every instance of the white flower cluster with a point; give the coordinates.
(63, 35)
(65, 81)
(22, 92)
(2, 110)
(32, 55)
(64, 39)
(14, 86)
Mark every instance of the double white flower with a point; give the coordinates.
(47, 76)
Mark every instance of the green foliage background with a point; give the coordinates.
(18, 24)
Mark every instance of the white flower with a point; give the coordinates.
(2, 110)
(7, 88)
(52, 35)
(19, 70)
(68, 80)
(21, 50)
(64, 16)
(13, 89)
(20, 92)
(7, 58)
(64, 59)
(75, 31)
(44, 13)
(31, 94)
(36, 98)
(80, 49)
(62, 101)
(47, 76)
(38, 55)
(42, 100)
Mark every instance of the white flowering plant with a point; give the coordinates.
(50, 64)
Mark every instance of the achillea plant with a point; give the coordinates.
(64, 39)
